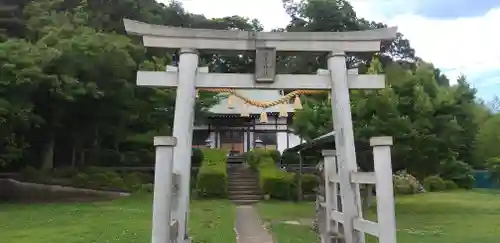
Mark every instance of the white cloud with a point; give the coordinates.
(469, 45)
(270, 12)
(465, 45)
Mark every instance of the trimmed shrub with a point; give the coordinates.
(275, 183)
(196, 157)
(275, 155)
(465, 182)
(116, 184)
(132, 181)
(212, 176)
(434, 184)
(31, 174)
(403, 187)
(450, 185)
(309, 183)
(65, 172)
(405, 183)
(97, 180)
(96, 170)
(80, 180)
(458, 171)
(146, 177)
(105, 180)
(145, 188)
(256, 156)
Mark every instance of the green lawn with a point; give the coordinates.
(451, 217)
(125, 220)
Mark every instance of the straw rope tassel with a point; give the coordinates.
(230, 101)
(283, 111)
(244, 111)
(297, 105)
(263, 117)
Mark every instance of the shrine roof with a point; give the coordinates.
(238, 104)
(209, 39)
(326, 141)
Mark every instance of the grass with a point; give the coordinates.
(125, 221)
(450, 217)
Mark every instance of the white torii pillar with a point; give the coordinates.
(344, 143)
(337, 79)
(183, 131)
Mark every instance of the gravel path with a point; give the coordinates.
(249, 227)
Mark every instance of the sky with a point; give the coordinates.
(457, 36)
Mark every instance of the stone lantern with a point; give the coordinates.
(259, 143)
(208, 143)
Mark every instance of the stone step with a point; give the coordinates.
(234, 177)
(239, 172)
(242, 175)
(235, 160)
(245, 197)
(245, 201)
(244, 186)
(242, 178)
(243, 182)
(244, 192)
(247, 189)
(236, 167)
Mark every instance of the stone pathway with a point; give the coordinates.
(249, 227)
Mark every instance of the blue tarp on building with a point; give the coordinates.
(483, 180)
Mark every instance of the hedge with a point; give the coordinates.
(450, 185)
(309, 183)
(405, 183)
(275, 183)
(255, 157)
(434, 184)
(196, 157)
(212, 176)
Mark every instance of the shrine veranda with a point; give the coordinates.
(172, 170)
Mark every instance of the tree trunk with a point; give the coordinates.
(48, 152)
(300, 195)
(82, 158)
(73, 155)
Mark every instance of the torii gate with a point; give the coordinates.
(188, 77)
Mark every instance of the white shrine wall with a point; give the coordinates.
(293, 140)
(281, 140)
(284, 136)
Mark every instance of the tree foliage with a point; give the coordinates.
(68, 87)
(487, 140)
(68, 93)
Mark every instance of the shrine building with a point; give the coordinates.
(238, 125)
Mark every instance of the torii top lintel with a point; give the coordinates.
(207, 39)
